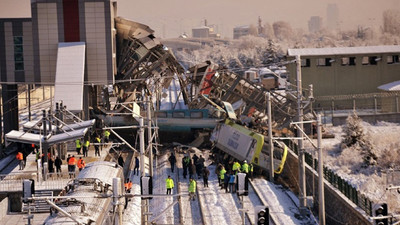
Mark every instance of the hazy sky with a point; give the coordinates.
(169, 18)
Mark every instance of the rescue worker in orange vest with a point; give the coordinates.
(81, 164)
(71, 166)
(128, 186)
(20, 157)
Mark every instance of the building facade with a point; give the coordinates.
(29, 48)
(347, 70)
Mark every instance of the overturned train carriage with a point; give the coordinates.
(244, 144)
(86, 200)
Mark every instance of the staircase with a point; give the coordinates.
(38, 205)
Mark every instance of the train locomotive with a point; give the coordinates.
(245, 144)
(87, 198)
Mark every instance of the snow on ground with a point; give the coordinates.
(347, 163)
(133, 211)
(281, 206)
(219, 206)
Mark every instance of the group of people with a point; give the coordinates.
(98, 145)
(196, 168)
(227, 179)
(72, 163)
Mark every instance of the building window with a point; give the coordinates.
(324, 62)
(392, 59)
(352, 61)
(365, 60)
(370, 60)
(305, 62)
(345, 61)
(18, 53)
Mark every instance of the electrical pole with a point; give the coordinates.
(321, 193)
(270, 141)
(302, 170)
(149, 134)
(142, 170)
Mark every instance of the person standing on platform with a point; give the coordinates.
(86, 148)
(222, 176)
(106, 136)
(71, 166)
(192, 189)
(245, 167)
(78, 145)
(206, 173)
(51, 164)
(128, 187)
(20, 157)
(232, 182)
(185, 165)
(172, 161)
(136, 169)
(58, 164)
(97, 146)
(81, 164)
(169, 183)
(192, 171)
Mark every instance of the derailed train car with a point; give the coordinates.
(244, 144)
(88, 196)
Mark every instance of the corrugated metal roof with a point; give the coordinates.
(344, 50)
(70, 74)
(393, 86)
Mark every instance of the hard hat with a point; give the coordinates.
(245, 161)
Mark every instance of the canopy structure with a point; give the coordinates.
(32, 126)
(393, 86)
(65, 133)
(37, 139)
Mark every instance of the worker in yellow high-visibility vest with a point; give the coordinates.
(169, 183)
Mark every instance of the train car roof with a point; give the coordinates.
(103, 171)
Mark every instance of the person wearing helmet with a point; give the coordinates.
(245, 167)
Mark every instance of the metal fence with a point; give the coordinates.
(385, 102)
(338, 182)
(51, 181)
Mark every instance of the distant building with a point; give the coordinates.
(332, 16)
(204, 32)
(315, 24)
(241, 31)
(201, 32)
(347, 70)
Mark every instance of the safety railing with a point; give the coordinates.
(337, 181)
(50, 181)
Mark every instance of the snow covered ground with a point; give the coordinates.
(347, 163)
(212, 205)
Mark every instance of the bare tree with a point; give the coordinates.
(282, 30)
(391, 21)
(253, 30)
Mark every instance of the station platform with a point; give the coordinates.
(12, 182)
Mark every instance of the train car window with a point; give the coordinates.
(161, 114)
(196, 114)
(178, 114)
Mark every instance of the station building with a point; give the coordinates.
(346, 70)
(66, 43)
